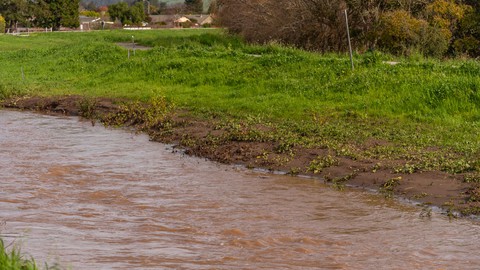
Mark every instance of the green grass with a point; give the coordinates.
(13, 260)
(417, 103)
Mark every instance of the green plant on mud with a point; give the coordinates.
(154, 115)
(471, 210)
(318, 164)
(407, 168)
(472, 178)
(426, 212)
(87, 108)
(339, 183)
(473, 195)
(250, 129)
(451, 209)
(388, 188)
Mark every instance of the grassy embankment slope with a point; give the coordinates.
(419, 115)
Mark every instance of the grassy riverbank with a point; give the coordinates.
(411, 118)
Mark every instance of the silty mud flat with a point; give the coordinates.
(95, 198)
(204, 138)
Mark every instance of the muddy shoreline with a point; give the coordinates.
(210, 139)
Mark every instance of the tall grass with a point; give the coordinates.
(209, 72)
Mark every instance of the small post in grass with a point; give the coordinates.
(133, 44)
(23, 74)
(349, 42)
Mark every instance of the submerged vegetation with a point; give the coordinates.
(402, 115)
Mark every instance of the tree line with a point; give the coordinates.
(41, 13)
(430, 27)
(56, 13)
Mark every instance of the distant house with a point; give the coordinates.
(200, 19)
(163, 20)
(87, 23)
(181, 20)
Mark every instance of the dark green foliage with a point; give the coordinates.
(15, 11)
(119, 12)
(60, 13)
(127, 14)
(468, 40)
(43, 13)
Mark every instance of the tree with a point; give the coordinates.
(127, 15)
(119, 12)
(56, 13)
(137, 13)
(15, 11)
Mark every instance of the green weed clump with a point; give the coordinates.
(388, 188)
(13, 260)
(152, 115)
(318, 164)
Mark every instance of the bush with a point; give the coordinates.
(187, 24)
(468, 45)
(2, 25)
(468, 40)
(404, 34)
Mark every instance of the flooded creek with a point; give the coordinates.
(96, 198)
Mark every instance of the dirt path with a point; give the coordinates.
(206, 138)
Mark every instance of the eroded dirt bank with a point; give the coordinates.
(254, 146)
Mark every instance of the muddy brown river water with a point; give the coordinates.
(95, 198)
